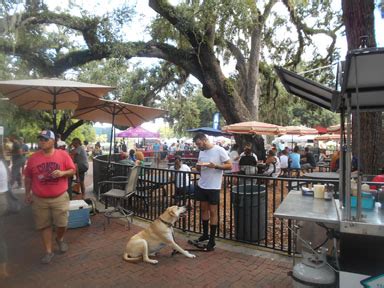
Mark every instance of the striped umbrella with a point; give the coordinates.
(300, 130)
(254, 127)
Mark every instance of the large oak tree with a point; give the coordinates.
(358, 17)
(196, 36)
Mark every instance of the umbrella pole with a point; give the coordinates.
(111, 139)
(54, 114)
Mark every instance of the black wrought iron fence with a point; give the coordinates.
(246, 208)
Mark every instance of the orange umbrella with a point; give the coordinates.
(254, 127)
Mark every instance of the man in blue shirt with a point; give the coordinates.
(294, 159)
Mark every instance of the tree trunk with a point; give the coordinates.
(358, 19)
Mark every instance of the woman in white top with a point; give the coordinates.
(273, 165)
(182, 181)
(234, 156)
(3, 208)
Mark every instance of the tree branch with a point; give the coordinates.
(302, 28)
(88, 27)
(71, 128)
(240, 60)
(183, 25)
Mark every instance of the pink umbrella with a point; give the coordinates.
(138, 132)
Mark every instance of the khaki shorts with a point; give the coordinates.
(48, 211)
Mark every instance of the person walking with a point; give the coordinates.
(46, 187)
(17, 163)
(25, 151)
(212, 161)
(7, 146)
(4, 183)
(81, 160)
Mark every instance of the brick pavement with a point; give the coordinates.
(95, 259)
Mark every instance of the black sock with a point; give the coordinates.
(205, 228)
(213, 233)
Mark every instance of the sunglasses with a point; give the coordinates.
(43, 139)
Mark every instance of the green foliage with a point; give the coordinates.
(189, 109)
(84, 132)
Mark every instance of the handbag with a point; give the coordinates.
(13, 203)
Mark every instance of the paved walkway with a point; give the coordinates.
(95, 260)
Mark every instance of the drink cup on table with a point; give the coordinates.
(318, 191)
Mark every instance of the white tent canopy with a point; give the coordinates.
(294, 138)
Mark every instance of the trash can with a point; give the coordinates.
(249, 208)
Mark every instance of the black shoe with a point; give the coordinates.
(202, 238)
(199, 240)
(210, 246)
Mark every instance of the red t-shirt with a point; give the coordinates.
(39, 169)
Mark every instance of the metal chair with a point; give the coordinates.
(120, 195)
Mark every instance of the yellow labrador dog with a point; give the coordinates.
(156, 236)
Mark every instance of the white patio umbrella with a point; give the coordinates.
(50, 94)
(115, 112)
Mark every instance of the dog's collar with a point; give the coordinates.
(166, 223)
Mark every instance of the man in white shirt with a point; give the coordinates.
(212, 161)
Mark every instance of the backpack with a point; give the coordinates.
(247, 160)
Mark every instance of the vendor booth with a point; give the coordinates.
(354, 223)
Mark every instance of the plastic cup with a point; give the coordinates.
(318, 191)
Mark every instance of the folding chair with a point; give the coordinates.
(120, 196)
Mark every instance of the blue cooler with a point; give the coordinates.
(78, 214)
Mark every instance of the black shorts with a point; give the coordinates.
(212, 196)
(81, 174)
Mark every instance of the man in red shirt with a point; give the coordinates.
(46, 177)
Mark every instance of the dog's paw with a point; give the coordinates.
(189, 255)
(153, 261)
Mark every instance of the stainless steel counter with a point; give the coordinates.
(372, 223)
(298, 207)
(306, 208)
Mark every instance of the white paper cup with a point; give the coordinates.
(318, 191)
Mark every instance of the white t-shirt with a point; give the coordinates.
(233, 155)
(210, 178)
(182, 179)
(284, 161)
(3, 178)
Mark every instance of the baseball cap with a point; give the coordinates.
(47, 134)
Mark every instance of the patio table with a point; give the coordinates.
(322, 175)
